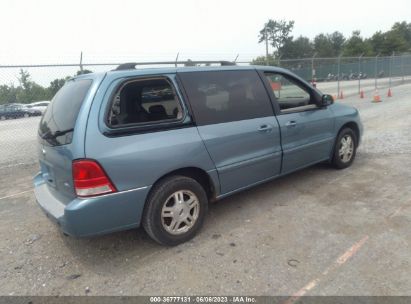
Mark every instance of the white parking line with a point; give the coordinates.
(15, 194)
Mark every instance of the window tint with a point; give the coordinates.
(144, 102)
(225, 96)
(61, 114)
(289, 95)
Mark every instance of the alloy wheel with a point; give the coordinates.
(346, 148)
(180, 212)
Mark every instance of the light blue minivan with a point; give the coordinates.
(154, 146)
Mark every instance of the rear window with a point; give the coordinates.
(145, 101)
(57, 124)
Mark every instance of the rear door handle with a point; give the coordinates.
(291, 123)
(265, 128)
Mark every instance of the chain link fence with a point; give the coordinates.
(342, 76)
(31, 83)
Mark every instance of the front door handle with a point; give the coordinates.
(265, 128)
(291, 123)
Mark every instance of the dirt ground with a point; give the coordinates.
(319, 231)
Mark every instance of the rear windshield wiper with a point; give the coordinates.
(50, 135)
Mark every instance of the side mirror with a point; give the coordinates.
(326, 100)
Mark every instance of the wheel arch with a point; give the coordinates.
(353, 126)
(201, 176)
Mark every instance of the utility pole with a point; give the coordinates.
(376, 71)
(359, 73)
(266, 44)
(402, 68)
(313, 68)
(390, 65)
(81, 62)
(338, 74)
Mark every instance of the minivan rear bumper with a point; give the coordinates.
(84, 217)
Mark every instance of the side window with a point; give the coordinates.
(224, 96)
(144, 101)
(290, 96)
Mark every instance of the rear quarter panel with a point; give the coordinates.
(140, 159)
(78, 148)
(56, 161)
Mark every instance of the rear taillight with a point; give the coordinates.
(90, 179)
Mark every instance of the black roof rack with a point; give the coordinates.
(132, 65)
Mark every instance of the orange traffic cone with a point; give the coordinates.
(341, 95)
(377, 97)
(361, 94)
(389, 93)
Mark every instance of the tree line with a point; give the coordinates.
(278, 35)
(28, 91)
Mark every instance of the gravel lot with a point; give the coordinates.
(18, 141)
(317, 232)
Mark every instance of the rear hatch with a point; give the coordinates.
(57, 141)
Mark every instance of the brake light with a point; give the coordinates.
(90, 179)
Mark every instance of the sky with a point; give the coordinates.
(53, 31)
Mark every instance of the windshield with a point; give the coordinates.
(57, 124)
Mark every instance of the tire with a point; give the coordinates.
(163, 200)
(343, 157)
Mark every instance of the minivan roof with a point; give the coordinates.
(172, 70)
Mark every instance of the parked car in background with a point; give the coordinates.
(17, 111)
(39, 105)
(153, 147)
